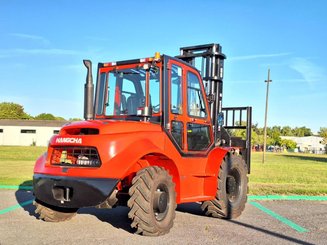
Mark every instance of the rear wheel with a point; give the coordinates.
(53, 214)
(152, 202)
(231, 194)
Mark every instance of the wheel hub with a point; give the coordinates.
(233, 185)
(160, 203)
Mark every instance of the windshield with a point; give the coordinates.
(123, 91)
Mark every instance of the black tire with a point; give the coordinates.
(53, 214)
(152, 202)
(231, 195)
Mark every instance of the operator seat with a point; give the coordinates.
(122, 108)
(131, 104)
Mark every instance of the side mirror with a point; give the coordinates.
(220, 119)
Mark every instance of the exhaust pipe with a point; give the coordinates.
(88, 92)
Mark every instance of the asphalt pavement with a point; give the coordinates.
(262, 222)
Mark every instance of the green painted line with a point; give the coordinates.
(16, 187)
(19, 205)
(291, 198)
(279, 217)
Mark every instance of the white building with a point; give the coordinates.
(308, 144)
(28, 132)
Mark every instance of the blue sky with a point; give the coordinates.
(42, 44)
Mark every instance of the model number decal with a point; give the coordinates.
(69, 140)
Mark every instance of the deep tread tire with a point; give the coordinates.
(148, 187)
(229, 203)
(53, 214)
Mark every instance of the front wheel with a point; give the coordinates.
(231, 194)
(152, 202)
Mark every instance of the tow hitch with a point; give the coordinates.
(62, 193)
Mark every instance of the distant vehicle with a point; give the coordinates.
(152, 138)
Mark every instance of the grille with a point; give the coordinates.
(75, 156)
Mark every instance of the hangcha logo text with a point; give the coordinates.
(69, 140)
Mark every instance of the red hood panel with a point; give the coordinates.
(107, 127)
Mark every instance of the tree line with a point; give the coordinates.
(10, 110)
(274, 134)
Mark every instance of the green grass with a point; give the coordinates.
(17, 163)
(298, 174)
(290, 174)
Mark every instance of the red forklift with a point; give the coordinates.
(155, 135)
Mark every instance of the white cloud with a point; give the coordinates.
(5, 53)
(31, 37)
(257, 56)
(309, 71)
(42, 47)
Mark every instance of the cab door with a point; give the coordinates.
(198, 133)
(189, 124)
(176, 110)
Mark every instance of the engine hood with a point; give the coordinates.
(93, 127)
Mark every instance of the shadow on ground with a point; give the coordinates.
(308, 158)
(271, 233)
(195, 209)
(118, 217)
(24, 197)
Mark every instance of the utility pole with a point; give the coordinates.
(266, 113)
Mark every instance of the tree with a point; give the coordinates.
(289, 144)
(323, 132)
(256, 129)
(256, 135)
(60, 119)
(256, 139)
(274, 135)
(48, 116)
(286, 131)
(9, 110)
(302, 131)
(45, 116)
(75, 119)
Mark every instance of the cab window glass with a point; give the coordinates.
(125, 93)
(195, 102)
(101, 90)
(114, 88)
(176, 90)
(155, 90)
(198, 137)
(177, 132)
